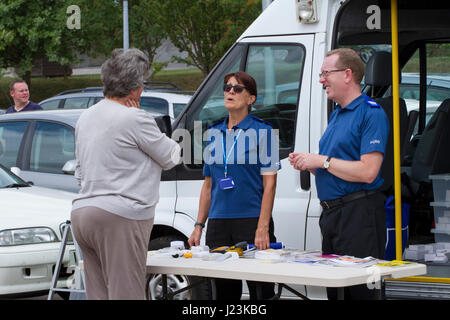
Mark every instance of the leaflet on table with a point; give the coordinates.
(335, 260)
(273, 255)
(348, 261)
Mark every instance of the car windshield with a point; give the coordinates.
(9, 180)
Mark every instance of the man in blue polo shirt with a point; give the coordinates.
(19, 92)
(347, 168)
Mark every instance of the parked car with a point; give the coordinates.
(31, 218)
(438, 86)
(167, 103)
(41, 143)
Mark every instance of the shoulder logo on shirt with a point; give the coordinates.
(373, 103)
(375, 141)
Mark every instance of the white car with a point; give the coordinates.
(30, 235)
(162, 102)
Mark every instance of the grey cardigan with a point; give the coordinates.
(120, 154)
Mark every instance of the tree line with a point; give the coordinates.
(205, 29)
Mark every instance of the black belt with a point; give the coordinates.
(329, 204)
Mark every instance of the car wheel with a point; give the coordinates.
(175, 282)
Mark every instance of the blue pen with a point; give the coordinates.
(273, 245)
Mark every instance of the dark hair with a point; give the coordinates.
(11, 85)
(245, 79)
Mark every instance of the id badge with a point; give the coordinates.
(226, 183)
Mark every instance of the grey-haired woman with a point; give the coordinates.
(120, 155)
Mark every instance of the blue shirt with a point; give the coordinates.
(251, 148)
(359, 128)
(31, 106)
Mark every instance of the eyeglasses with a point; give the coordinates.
(236, 88)
(325, 73)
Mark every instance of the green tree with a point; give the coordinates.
(65, 41)
(30, 30)
(146, 33)
(24, 32)
(205, 29)
(102, 22)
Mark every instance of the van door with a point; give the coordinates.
(280, 66)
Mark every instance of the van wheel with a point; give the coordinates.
(175, 282)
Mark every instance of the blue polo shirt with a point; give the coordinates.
(359, 128)
(31, 106)
(251, 148)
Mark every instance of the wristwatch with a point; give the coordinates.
(199, 224)
(326, 164)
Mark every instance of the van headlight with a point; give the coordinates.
(14, 237)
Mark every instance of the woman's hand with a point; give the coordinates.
(262, 240)
(194, 239)
(131, 103)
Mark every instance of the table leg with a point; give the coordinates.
(164, 287)
(340, 293)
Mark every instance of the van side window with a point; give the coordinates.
(277, 70)
(53, 145)
(438, 80)
(11, 134)
(208, 107)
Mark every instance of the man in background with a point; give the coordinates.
(19, 92)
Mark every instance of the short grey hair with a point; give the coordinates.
(126, 70)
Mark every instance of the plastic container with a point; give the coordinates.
(441, 187)
(442, 221)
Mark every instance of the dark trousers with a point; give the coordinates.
(228, 232)
(357, 228)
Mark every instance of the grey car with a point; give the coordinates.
(42, 145)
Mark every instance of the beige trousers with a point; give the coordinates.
(114, 251)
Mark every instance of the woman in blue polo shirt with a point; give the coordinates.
(240, 181)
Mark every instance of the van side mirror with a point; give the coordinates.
(305, 180)
(165, 125)
(69, 167)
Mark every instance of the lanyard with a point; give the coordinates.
(225, 159)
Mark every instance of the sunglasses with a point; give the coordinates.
(236, 88)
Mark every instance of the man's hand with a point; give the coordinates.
(306, 161)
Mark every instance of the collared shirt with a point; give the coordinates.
(251, 149)
(31, 106)
(359, 128)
